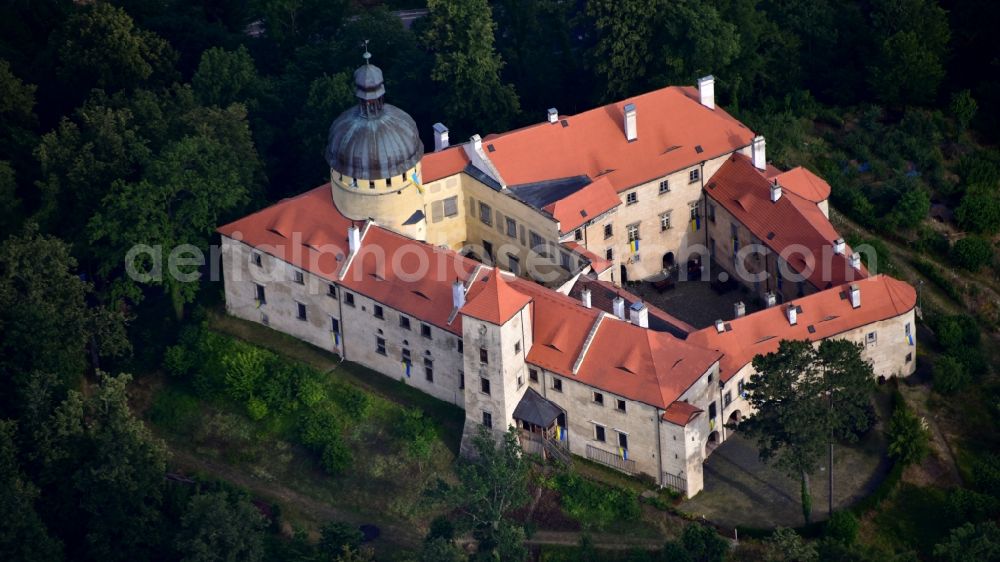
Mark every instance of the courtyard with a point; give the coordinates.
(699, 303)
(740, 490)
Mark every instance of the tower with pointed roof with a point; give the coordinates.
(497, 336)
(374, 154)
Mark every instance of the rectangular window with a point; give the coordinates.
(517, 346)
(871, 339)
(578, 234)
(693, 207)
(301, 311)
(257, 259)
(404, 322)
(664, 186)
(484, 356)
(608, 231)
(514, 265)
(711, 411)
(334, 325)
(711, 212)
(451, 206)
(488, 420)
(564, 261)
(623, 440)
(511, 227)
(598, 398)
(620, 405)
(665, 221)
(599, 433)
(299, 278)
(461, 381)
(633, 232)
(632, 198)
(378, 312)
(535, 240)
(557, 385)
(609, 254)
(425, 331)
(727, 399)
(520, 381)
(909, 357)
(405, 356)
(485, 213)
(261, 296)
(380, 346)
(459, 345)
(533, 375)
(331, 291)
(429, 369)
(739, 389)
(349, 299)
(484, 385)
(694, 175)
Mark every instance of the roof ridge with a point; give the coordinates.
(588, 341)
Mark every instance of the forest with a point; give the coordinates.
(126, 122)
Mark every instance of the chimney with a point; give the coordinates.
(639, 314)
(770, 300)
(759, 156)
(440, 137)
(775, 191)
(706, 91)
(353, 239)
(630, 127)
(839, 247)
(618, 307)
(739, 309)
(793, 314)
(855, 293)
(553, 115)
(856, 261)
(720, 326)
(585, 298)
(477, 143)
(458, 294)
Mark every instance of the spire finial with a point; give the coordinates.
(367, 56)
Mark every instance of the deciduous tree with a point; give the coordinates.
(219, 528)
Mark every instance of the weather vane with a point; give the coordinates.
(367, 55)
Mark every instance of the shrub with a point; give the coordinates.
(703, 544)
(354, 402)
(950, 375)
(335, 536)
(256, 408)
(909, 438)
(595, 505)
(174, 410)
(415, 432)
(336, 456)
(970, 506)
(843, 526)
(244, 370)
(932, 272)
(972, 253)
(979, 210)
(970, 542)
(963, 107)
(310, 391)
(986, 474)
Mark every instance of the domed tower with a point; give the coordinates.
(374, 154)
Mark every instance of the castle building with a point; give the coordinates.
(489, 274)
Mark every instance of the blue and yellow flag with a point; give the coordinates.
(406, 368)
(416, 181)
(633, 246)
(695, 224)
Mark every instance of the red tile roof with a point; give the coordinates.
(497, 302)
(672, 126)
(828, 312)
(681, 413)
(444, 163)
(583, 205)
(597, 263)
(648, 366)
(309, 232)
(782, 225)
(803, 183)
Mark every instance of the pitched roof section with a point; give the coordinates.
(648, 366)
(827, 312)
(313, 234)
(603, 293)
(681, 413)
(497, 302)
(672, 127)
(804, 183)
(583, 205)
(535, 409)
(442, 164)
(597, 263)
(790, 221)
